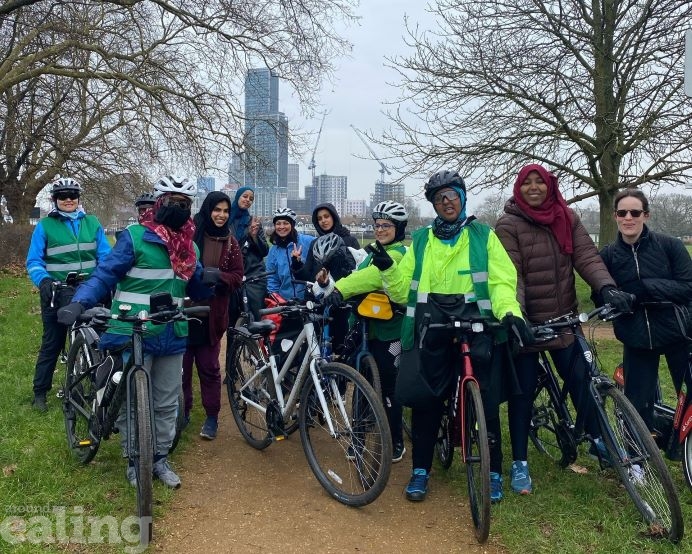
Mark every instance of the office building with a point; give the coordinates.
(293, 185)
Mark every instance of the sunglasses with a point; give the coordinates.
(383, 226)
(67, 196)
(623, 213)
(449, 195)
(181, 203)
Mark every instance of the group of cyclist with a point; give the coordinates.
(521, 273)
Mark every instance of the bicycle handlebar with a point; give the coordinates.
(99, 315)
(546, 330)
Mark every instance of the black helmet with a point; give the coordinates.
(443, 179)
(146, 199)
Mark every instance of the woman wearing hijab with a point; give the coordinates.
(218, 250)
(547, 243)
(250, 235)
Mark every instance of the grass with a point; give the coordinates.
(39, 474)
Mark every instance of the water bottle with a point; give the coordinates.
(109, 389)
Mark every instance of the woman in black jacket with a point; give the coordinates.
(655, 268)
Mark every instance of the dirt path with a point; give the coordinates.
(237, 499)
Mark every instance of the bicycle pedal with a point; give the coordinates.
(84, 443)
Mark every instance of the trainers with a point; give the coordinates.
(598, 451)
(164, 472)
(398, 452)
(209, 428)
(495, 487)
(39, 403)
(131, 475)
(417, 487)
(520, 478)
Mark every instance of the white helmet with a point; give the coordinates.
(175, 183)
(390, 210)
(324, 247)
(285, 213)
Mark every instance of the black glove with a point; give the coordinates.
(69, 314)
(380, 258)
(45, 287)
(522, 331)
(619, 300)
(211, 276)
(334, 299)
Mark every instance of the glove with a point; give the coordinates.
(522, 331)
(45, 287)
(211, 276)
(69, 314)
(619, 300)
(334, 299)
(635, 287)
(380, 258)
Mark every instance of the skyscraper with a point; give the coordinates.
(266, 142)
(293, 181)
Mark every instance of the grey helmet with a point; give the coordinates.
(324, 247)
(65, 184)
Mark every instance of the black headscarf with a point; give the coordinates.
(204, 224)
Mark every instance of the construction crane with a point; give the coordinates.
(383, 168)
(312, 166)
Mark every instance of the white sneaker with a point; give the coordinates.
(167, 476)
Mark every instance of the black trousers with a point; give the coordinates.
(52, 342)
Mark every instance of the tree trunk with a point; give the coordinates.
(608, 227)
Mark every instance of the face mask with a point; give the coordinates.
(172, 216)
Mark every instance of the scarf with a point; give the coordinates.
(447, 230)
(553, 212)
(178, 243)
(240, 218)
(203, 222)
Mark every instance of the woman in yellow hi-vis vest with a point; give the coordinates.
(458, 260)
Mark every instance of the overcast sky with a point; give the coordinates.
(358, 97)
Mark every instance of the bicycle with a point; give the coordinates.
(672, 425)
(91, 407)
(463, 422)
(343, 426)
(631, 449)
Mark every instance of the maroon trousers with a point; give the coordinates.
(206, 358)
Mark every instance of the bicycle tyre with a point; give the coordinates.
(179, 421)
(444, 446)
(477, 460)
(639, 464)
(368, 369)
(353, 466)
(687, 460)
(549, 433)
(245, 355)
(143, 456)
(81, 425)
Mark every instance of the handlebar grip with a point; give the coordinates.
(276, 310)
(193, 310)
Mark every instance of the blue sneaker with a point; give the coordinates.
(598, 451)
(495, 487)
(417, 487)
(520, 478)
(209, 428)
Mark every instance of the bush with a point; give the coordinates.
(14, 244)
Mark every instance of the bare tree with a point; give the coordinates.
(672, 214)
(490, 209)
(103, 89)
(592, 90)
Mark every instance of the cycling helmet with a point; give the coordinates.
(65, 184)
(390, 210)
(146, 199)
(285, 213)
(175, 183)
(324, 247)
(443, 179)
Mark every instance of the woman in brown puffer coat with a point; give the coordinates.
(547, 243)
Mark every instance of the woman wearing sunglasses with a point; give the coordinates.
(654, 267)
(547, 243)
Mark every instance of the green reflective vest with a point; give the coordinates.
(66, 252)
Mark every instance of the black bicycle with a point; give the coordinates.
(632, 452)
(96, 389)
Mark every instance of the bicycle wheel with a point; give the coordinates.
(477, 460)
(639, 464)
(142, 455)
(549, 433)
(245, 356)
(353, 462)
(368, 369)
(687, 460)
(444, 447)
(179, 421)
(79, 397)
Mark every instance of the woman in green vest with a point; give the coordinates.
(156, 255)
(454, 265)
(390, 220)
(66, 240)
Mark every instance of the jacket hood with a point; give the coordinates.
(335, 216)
